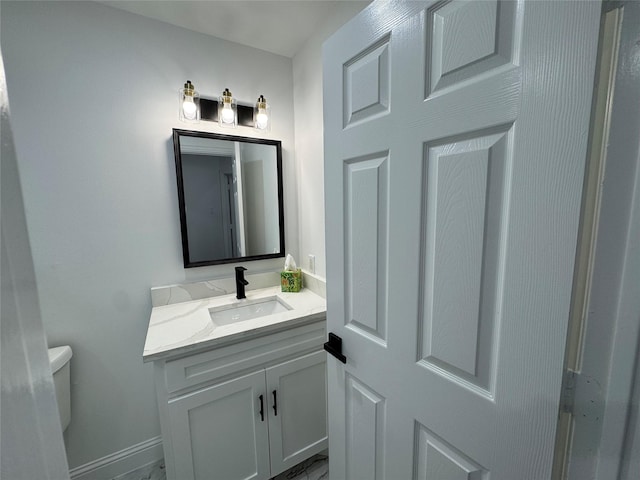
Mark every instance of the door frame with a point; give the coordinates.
(32, 438)
(608, 339)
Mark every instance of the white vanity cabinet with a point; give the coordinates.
(217, 432)
(296, 390)
(249, 410)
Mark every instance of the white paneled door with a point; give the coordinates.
(455, 144)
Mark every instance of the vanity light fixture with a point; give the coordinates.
(262, 114)
(224, 110)
(227, 110)
(189, 103)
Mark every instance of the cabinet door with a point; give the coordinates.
(297, 410)
(218, 432)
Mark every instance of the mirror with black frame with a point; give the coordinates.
(230, 197)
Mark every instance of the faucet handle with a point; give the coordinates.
(240, 269)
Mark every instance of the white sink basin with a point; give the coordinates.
(247, 310)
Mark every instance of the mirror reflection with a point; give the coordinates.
(230, 196)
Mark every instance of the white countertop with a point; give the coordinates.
(183, 327)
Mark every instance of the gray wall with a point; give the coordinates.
(93, 93)
(307, 99)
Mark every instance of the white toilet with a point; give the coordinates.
(59, 358)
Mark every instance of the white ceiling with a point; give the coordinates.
(280, 27)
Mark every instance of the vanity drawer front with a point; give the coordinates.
(202, 367)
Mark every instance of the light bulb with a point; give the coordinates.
(227, 110)
(189, 108)
(262, 119)
(227, 114)
(261, 114)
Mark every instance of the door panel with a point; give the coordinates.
(455, 141)
(198, 418)
(435, 459)
(365, 424)
(366, 82)
(466, 39)
(464, 198)
(299, 428)
(366, 212)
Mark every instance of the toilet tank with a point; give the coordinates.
(59, 358)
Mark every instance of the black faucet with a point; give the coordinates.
(240, 283)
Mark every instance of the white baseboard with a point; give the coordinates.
(121, 462)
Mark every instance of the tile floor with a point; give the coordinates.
(315, 468)
(152, 471)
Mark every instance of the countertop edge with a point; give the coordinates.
(233, 338)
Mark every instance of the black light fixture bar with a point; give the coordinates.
(209, 112)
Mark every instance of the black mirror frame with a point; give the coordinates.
(183, 217)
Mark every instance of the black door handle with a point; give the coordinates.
(261, 407)
(275, 404)
(334, 347)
